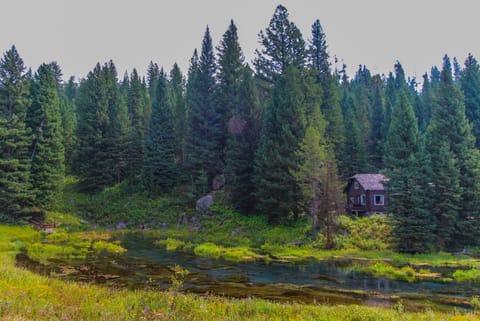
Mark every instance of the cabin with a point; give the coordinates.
(366, 194)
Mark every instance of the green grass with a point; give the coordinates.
(27, 296)
(472, 276)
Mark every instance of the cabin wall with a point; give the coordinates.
(371, 207)
(355, 194)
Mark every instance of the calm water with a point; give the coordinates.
(147, 266)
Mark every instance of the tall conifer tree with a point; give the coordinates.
(277, 193)
(177, 88)
(203, 148)
(283, 46)
(160, 169)
(407, 184)
(47, 152)
(16, 197)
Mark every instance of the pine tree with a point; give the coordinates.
(47, 152)
(177, 86)
(470, 84)
(427, 102)
(160, 169)
(203, 148)
(312, 157)
(318, 52)
(284, 125)
(355, 150)
(449, 125)
(330, 102)
(153, 74)
(407, 185)
(329, 199)
(102, 129)
(243, 129)
(283, 46)
(376, 137)
(116, 135)
(230, 72)
(136, 111)
(16, 197)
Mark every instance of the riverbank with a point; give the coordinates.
(27, 296)
(226, 234)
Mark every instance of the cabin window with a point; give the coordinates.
(378, 200)
(356, 185)
(361, 199)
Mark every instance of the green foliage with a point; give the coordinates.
(47, 151)
(456, 159)
(475, 303)
(284, 128)
(283, 47)
(228, 253)
(136, 105)
(354, 160)
(365, 233)
(204, 134)
(16, 197)
(472, 275)
(408, 182)
(381, 269)
(242, 139)
(102, 129)
(160, 170)
(179, 108)
(470, 84)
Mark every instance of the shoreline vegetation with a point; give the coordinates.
(27, 296)
(223, 234)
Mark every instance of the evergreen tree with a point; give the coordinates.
(136, 111)
(116, 136)
(203, 148)
(153, 74)
(376, 137)
(329, 199)
(449, 125)
(102, 129)
(177, 86)
(160, 169)
(242, 140)
(47, 152)
(330, 102)
(230, 72)
(283, 46)
(277, 192)
(407, 183)
(312, 157)
(355, 150)
(470, 84)
(16, 197)
(427, 102)
(318, 52)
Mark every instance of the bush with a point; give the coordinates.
(472, 275)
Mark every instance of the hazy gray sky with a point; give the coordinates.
(78, 34)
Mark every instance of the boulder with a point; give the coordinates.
(204, 204)
(121, 226)
(218, 182)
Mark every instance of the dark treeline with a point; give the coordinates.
(282, 134)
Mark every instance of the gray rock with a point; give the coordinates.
(204, 204)
(121, 226)
(218, 182)
(236, 231)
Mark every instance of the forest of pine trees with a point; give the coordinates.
(284, 132)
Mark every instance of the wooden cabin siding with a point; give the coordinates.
(355, 190)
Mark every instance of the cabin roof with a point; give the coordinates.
(372, 182)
